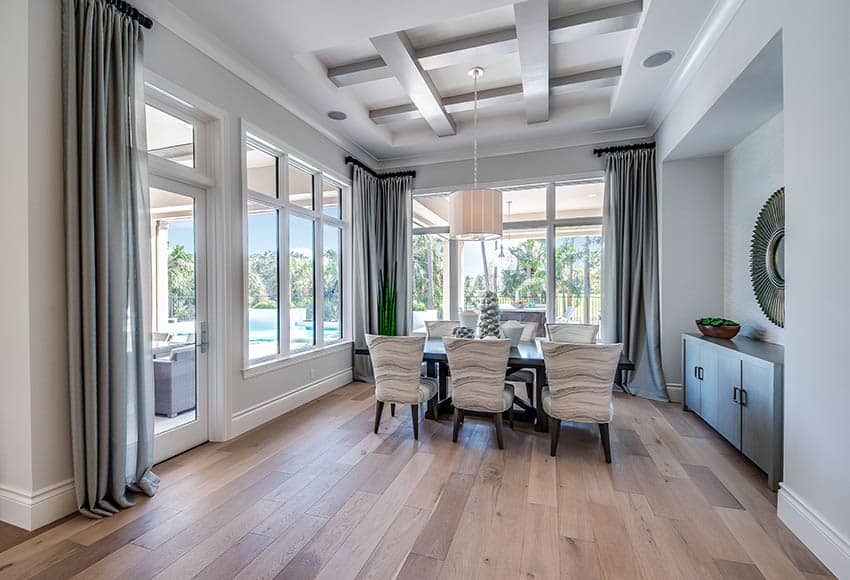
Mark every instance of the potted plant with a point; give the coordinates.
(716, 327)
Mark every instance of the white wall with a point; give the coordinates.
(814, 500)
(35, 450)
(36, 484)
(753, 171)
(536, 166)
(261, 396)
(691, 251)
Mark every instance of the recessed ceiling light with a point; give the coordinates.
(337, 115)
(659, 58)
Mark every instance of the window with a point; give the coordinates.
(332, 282)
(263, 281)
(170, 137)
(295, 264)
(331, 198)
(302, 298)
(301, 187)
(578, 274)
(547, 260)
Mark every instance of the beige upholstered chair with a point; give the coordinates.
(396, 361)
(573, 333)
(478, 377)
(527, 376)
(580, 380)
(440, 328)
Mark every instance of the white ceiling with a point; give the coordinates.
(293, 43)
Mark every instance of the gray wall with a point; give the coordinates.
(691, 206)
(753, 171)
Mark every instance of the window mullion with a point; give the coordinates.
(283, 260)
(318, 283)
(550, 252)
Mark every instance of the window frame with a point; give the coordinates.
(550, 224)
(259, 139)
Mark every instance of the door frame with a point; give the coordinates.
(216, 148)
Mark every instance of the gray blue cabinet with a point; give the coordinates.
(736, 387)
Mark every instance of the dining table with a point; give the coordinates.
(526, 355)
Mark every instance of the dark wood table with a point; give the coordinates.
(527, 355)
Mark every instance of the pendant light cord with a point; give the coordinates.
(475, 134)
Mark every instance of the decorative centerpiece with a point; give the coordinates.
(488, 319)
(463, 332)
(718, 327)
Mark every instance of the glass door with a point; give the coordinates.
(179, 307)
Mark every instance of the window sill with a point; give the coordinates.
(282, 362)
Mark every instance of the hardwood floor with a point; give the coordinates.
(315, 494)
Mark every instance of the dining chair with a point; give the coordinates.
(396, 362)
(527, 376)
(572, 333)
(478, 376)
(440, 328)
(580, 378)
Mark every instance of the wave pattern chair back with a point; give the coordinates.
(573, 333)
(396, 362)
(440, 328)
(580, 379)
(478, 373)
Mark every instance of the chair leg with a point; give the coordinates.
(604, 432)
(554, 435)
(432, 408)
(379, 409)
(392, 409)
(511, 417)
(499, 437)
(414, 414)
(458, 419)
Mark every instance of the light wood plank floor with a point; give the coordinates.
(315, 494)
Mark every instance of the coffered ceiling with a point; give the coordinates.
(557, 72)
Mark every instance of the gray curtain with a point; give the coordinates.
(108, 257)
(630, 267)
(381, 245)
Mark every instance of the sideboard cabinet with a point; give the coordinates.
(736, 387)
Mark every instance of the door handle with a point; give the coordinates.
(696, 372)
(744, 398)
(735, 394)
(700, 373)
(204, 342)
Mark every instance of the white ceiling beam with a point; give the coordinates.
(601, 21)
(511, 93)
(593, 22)
(398, 53)
(532, 30)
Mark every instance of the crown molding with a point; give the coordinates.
(168, 15)
(712, 29)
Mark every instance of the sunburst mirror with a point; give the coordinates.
(767, 258)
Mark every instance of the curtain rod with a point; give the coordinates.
(349, 160)
(132, 12)
(634, 146)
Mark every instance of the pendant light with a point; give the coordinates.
(475, 214)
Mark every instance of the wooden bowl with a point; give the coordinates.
(725, 332)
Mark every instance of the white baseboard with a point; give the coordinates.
(825, 542)
(264, 412)
(31, 510)
(675, 393)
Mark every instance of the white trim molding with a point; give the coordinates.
(31, 510)
(262, 413)
(674, 392)
(819, 536)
